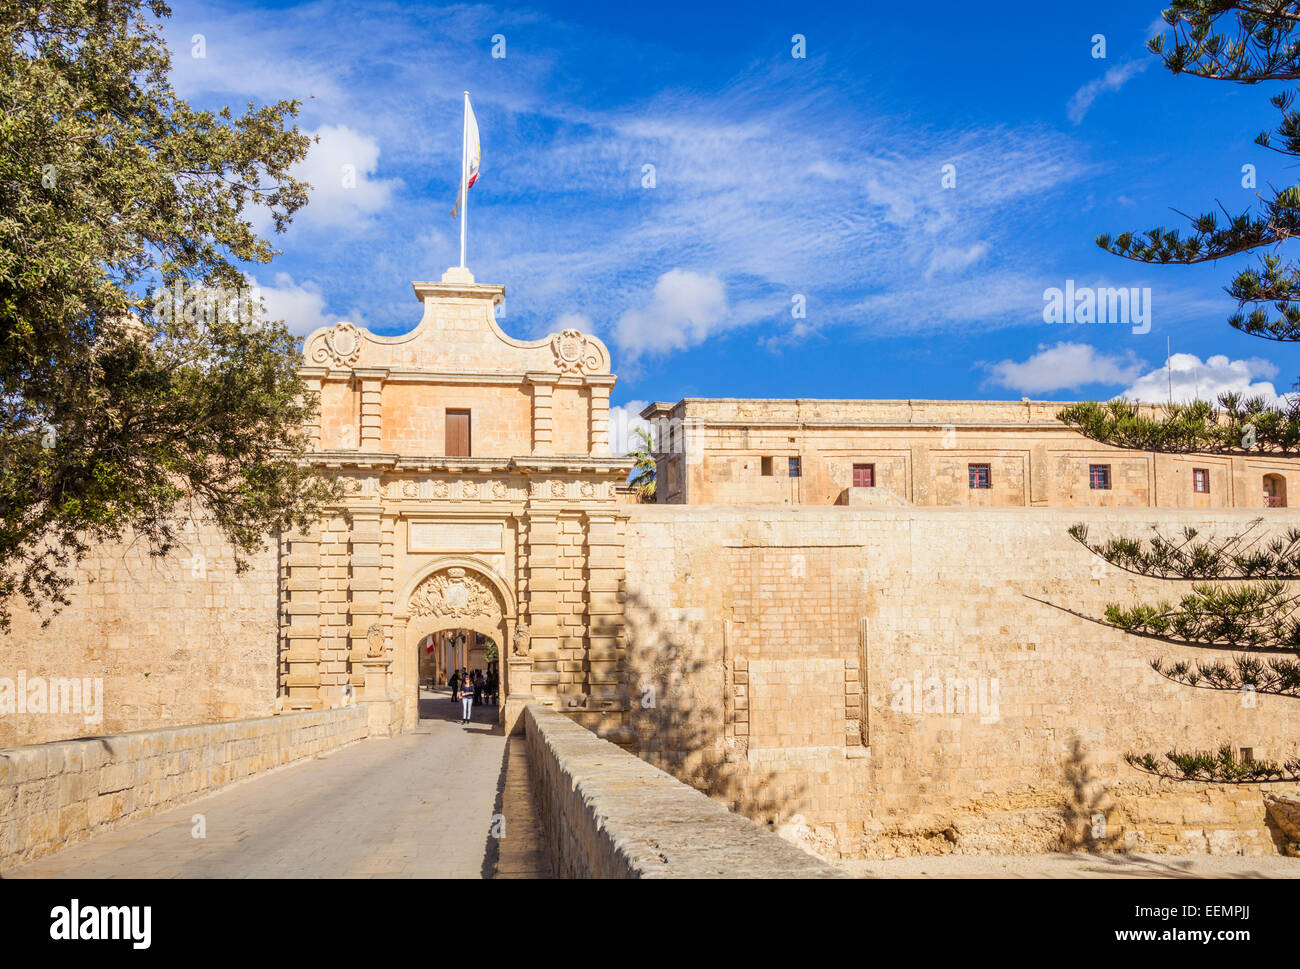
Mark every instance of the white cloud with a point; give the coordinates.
(1112, 80)
(950, 259)
(1194, 379)
(624, 420)
(685, 309)
(301, 306)
(341, 168)
(1064, 366)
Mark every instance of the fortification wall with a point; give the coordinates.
(182, 639)
(902, 681)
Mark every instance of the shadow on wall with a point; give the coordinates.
(1090, 819)
(676, 688)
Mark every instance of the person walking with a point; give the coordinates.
(466, 702)
(455, 685)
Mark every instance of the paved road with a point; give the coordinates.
(419, 805)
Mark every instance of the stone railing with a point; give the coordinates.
(609, 814)
(57, 793)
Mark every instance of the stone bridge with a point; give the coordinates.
(312, 795)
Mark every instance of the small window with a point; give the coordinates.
(864, 476)
(980, 475)
(794, 467)
(1248, 755)
(1201, 481)
(1099, 477)
(457, 433)
(766, 470)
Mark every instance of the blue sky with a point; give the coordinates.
(775, 178)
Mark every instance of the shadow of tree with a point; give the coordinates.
(1090, 819)
(679, 684)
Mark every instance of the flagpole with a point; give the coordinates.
(464, 174)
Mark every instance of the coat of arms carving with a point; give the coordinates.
(339, 347)
(574, 353)
(455, 594)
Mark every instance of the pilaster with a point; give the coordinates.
(370, 385)
(300, 600)
(543, 385)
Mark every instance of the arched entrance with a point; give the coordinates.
(1274, 491)
(441, 653)
(459, 604)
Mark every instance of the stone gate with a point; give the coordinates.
(478, 494)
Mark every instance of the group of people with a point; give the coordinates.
(471, 687)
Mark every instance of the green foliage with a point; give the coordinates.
(1237, 426)
(114, 415)
(644, 471)
(1215, 766)
(1244, 616)
(1253, 554)
(1259, 47)
(1276, 675)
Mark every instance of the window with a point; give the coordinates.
(1248, 755)
(1201, 481)
(767, 468)
(864, 476)
(1099, 477)
(1274, 491)
(794, 467)
(980, 475)
(457, 433)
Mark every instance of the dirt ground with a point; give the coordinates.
(1078, 866)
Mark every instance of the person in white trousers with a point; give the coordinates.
(466, 703)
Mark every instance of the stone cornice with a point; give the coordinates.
(530, 464)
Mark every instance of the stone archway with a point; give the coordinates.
(454, 593)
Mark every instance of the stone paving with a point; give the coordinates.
(419, 805)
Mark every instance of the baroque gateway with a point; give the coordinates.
(862, 622)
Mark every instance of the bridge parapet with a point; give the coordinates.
(54, 794)
(609, 814)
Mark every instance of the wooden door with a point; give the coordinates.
(457, 433)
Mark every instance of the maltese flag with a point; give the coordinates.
(471, 155)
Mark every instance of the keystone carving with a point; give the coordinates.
(455, 594)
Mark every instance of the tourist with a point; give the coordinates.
(455, 685)
(466, 703)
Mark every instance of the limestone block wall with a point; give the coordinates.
(608, 814)
(173, 640)
(54, 794)
(872, 678)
